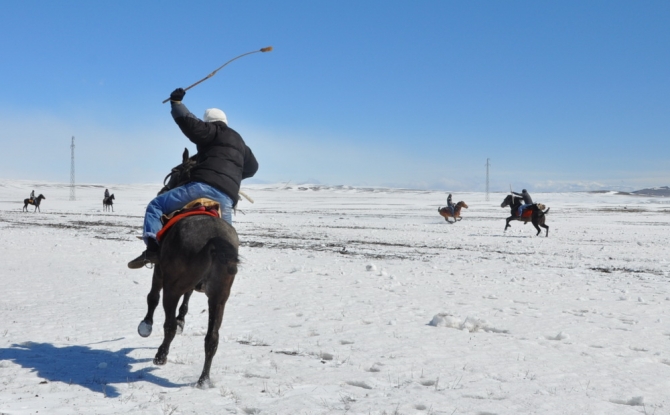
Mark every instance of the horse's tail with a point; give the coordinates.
(223, 252)
(541, 213)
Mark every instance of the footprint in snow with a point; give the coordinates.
(560, 336)
(634, 401)
(470, 324)
(359, 384)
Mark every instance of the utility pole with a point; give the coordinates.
(72, 197)
(488, 164)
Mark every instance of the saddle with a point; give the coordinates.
(527, 213)
(202, 206)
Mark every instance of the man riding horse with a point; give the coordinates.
(527, 201)
(534, 213)
(451, 205)
(222, 162)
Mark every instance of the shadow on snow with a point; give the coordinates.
(93, 369)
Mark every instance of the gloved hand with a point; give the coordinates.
(177, 94)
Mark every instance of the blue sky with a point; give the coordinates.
(568, 95)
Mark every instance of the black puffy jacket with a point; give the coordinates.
(223, 158)
(526, 197)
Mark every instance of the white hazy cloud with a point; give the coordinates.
(38, 147)
(286, 156)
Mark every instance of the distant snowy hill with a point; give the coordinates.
(663, 191)
(654, 191)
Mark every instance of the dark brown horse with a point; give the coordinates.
(198, 250)
(535, 213)
(445, 212)
(108, 203)
(36, 202)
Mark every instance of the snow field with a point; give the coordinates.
(349, 300)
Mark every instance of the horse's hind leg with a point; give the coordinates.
(154, 296)
(546, 227)
(182, 312)
(217, 296)
(537, 227)
(170, 302)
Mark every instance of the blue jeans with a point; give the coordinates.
(523, 207)
(176, 199)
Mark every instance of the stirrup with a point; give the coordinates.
(145, 258)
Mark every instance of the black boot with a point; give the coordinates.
(150, 256)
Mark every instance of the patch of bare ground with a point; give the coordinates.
(609, 270)
(620, 210)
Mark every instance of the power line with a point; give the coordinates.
(72, 197)
(488, 164)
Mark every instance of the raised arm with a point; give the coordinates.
(196, 130)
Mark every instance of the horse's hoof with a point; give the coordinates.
(204, 383)
(144, 329)
(160, 361)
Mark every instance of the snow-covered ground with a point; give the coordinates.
(349, 300)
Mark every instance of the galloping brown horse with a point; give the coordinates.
(445, 212)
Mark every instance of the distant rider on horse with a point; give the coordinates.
(527, 201)
(451, 205)
(32, 196)
(222, 162)
(106, 193)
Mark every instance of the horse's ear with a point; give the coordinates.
(184, 157)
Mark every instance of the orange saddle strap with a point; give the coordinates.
(200, 210)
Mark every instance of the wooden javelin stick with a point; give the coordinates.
(266, 49)
(246, 196)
